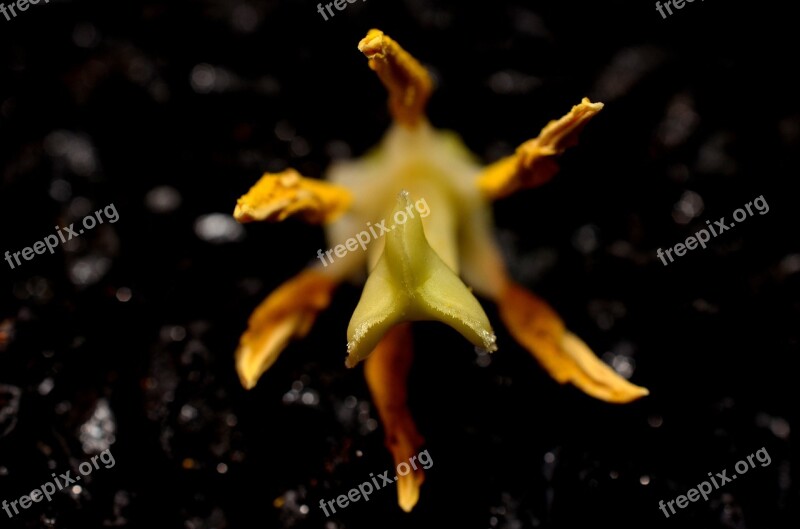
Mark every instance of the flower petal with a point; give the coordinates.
(386, 371)
(407, 81)
(287, 313)
(534, 163)
(275, 197)
(412, 283)
(537, 327)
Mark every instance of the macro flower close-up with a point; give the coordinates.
(426, 265)
(292, 264)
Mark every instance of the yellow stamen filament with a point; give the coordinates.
(534, 162)
(275, 197)
(407, 81)
(537, 327)
(286, 314)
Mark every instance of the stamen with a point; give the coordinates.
(407, 81)
(276, 197)
(534, 163)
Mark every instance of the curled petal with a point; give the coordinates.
(386, 371)
(412, 283)
(275, 197)
(566, 358)
(286, 314)
(534, 162)
(407, 81)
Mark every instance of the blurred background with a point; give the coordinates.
(124, 338)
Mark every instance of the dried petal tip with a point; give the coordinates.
(534, 162)
(275, 197)
(411, 283)
(286, 314)
(407, 492)
(407, 81)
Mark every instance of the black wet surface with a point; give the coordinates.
(123, 339)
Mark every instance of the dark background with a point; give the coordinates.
(108, 102)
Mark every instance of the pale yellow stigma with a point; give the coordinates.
(412, 283)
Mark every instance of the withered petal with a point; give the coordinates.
(278, 196)
(386, 371)
(534, 162)
(287, 313)
(537, 327)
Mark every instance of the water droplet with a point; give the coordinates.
(780, 428)
(124, 294)
(790, 264)
(203, 77)
(9, 407)
(688, 207)
(655, 421)
(284, 130)
(585, 239)
(46, 386)
(163, 199)
(309, 398)
(88, 270)
(188, 413)
(60, 190)
(218, 228)
(245, 18)
(299, 147)
(97, 434)
(84, 35)
(338, 150)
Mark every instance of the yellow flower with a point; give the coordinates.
(424, 266)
